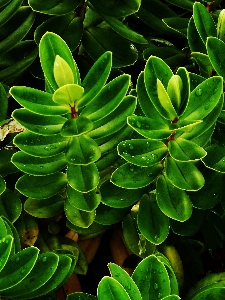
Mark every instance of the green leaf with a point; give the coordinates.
(115, 9)
(186, 4)
(203, 22)
(5, 250)
(195, 42)
(152, 271)
(156, 69)
(106, 215)
(116, 120)
(44, 125)
(10, 205)
(39, 145)
(82, 150)
(191, 226)
(133, 177)
(76, 126)
(97, 40)
(203, 99)
(125, 280)
(39, 165)
(3, 229)
(96, 78)
(213, 188)
(41, 186)
(51, 45)
(184, 175)
(152, 223)
(134, 240)
(83, 178)
(117, 197)
(150, 128)
(11, 230)
(93, 230)
(37, 101)
(68, 94)
(3, 103)
(206, 68)
(53, 7)
(141, 152)
(108, 99)
(184, 88)
(215, 158)
(18, 267)
(173, 202)
(77, 295)
(184, 150)
(165, 101)
(174, 91)
(79, 217)
(2, 185)
(110, 289)
(83, 201)
(171, 297)
(45, 261)
(44, 208)
(215, 49)
(177, 23)
(8, 10)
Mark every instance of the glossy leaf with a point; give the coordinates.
(96, 78)
(44, 125)
(20, 265)
(151, 270)
(68, 94)
(82, 150)
(76, 126)
(184, 150)
(156, 69)
(117, 291)
(62, 72)
(194, 40)
(95, 43)
(125, 280)
(79, 217)
(37, 187)
(5, 249)
(39, 165)
(10, 205)
(174, 91)
(51, 45)
(206, 68)
(2, 185)
(215, 158)
(152, 223)
(108, 99)
(53, 7)
(117, 197)
(83, 201)
(173, 202)
(203, 99)
(39, 145)
(184, 175)
(215, 49)
(44, 208)
(186, 4)
(106, 215)
(83, 178)
(133, 177)
(149, 127)
(9, 9)
(37, 101)
(141, 152)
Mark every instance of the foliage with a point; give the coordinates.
(85, 147)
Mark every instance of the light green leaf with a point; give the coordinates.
(83, 178)
(133, 177)
(152, 222)
(173, 202)
(39, 145)
(184, 150)
(184, 175)
(68, 94)
(41, 187)
(152, 271)
(141, 152)
(37, 101)
(174, 91)
(62, 72)
(82, 150)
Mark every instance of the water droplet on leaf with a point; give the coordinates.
(198, 92)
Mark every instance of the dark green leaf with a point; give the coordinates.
(10, 205)
(53, 7)
(215, 49)
(77, 295)
(9, 10)
(133, 177)
(2, 185)
(215, 158)
(195, 42)
(3, 103)
(106, 215)
(41, 186)
(204, 63)
(5, 249)
(172, 201)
